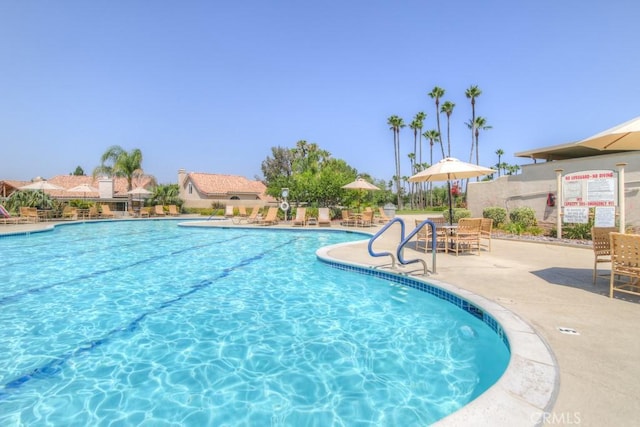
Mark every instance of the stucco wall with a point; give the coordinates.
(531, 187)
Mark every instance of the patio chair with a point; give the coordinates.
(173, 210)
(324, 217)
(69, 212)
(625, 264)
(601, 244)
(271, 218)
(158, 210)
(348, 220)
(466, 236)
(366, 220)
(29, 214)
(424, 235)
(106, 212)
(486, 225)
(301, 217)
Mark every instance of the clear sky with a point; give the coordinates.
(211, 86)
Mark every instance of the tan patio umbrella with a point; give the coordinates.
(625, 136)
(448, 169)
(141, 192)
(360, 184)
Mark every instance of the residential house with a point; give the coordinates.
(202, 190)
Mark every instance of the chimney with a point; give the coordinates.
(105, 187)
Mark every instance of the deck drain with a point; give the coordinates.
(568, 331)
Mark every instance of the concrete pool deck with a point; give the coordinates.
(549, 286)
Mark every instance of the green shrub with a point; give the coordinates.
(497, 214)
(524, 216)
(457, 214)
(577, 231)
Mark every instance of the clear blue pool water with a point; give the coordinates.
(148, 323)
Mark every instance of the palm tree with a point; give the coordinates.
(396, 123)
(480, 124)
(472, 93)
(437, 93)
(433, 136)
(447, 108)
(118, 162)
(499, 153)
(419, 119)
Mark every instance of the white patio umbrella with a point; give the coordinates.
(84, 189)
(41, 185)
(447, 169)
(625, 136)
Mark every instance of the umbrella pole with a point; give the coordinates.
(450, 203)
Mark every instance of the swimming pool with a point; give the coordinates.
(146, 322)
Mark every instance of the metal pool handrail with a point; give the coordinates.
(379, 233)
(408, 238)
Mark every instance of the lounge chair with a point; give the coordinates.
(93, 212)
(382, 217)
(253, 217)
(271, 218)
(601, 248)
(625, 264)
(132, 213)
(145, 212)
(467, 235)
(6, 217)
(228, 211)
(242, 211)
(324, 217)
(301, 217)
(106, 212)
(158, 210)
(173, 210)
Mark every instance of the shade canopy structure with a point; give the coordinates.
(625, 136)
(360, 184)
(447, 169)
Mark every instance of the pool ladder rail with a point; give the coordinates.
(399, 255)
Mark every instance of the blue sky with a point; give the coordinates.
(211, 86)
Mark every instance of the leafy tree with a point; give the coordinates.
(78, 172)
(277, 170)
(437, 93)
(118, 162)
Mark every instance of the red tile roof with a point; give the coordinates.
(218, 184)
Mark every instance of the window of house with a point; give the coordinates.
(190, 189)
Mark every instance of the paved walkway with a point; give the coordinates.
(550, 287)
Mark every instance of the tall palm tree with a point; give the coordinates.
(118, 162)
(480, 124)
(433, 136)
(419, 119)
(395, 124)
(447, 108)
(499, 153)
(437, 93)
(472, 93)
